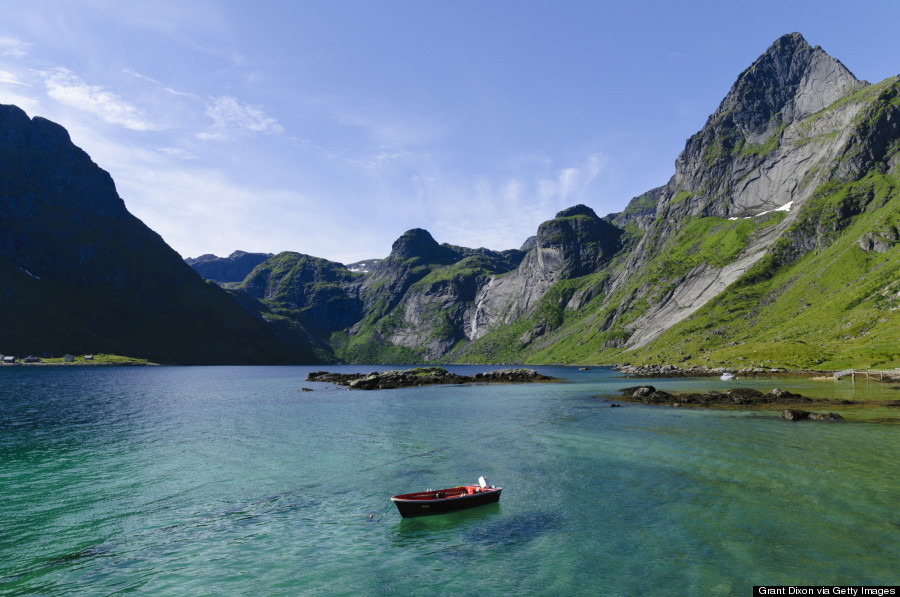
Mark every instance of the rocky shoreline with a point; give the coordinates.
(424, 376)
(743, 397)
(654, 371)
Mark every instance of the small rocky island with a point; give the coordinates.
(424, 376)
(736, 397)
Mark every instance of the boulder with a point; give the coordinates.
(745, 396)
(803, 415)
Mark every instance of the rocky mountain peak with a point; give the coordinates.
(577, 210)
(418, 243)
(581, 242)
(787, 82)
(36, 148)
(714, 174)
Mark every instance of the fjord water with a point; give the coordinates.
(233, 481)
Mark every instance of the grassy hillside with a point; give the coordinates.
(837, 306)
(577, 322)
(826, 294)
(832, 306)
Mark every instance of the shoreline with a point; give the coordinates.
(654, 371)
(83, 364)
(637, 371)
(793, 406)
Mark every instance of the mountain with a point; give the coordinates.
(774, 244)
(364, 266)
(772, 205)
(223, 270)
(409, 307)
(80, 274)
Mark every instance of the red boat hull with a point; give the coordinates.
(441, 501)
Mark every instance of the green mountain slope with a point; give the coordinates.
(714, 262)
(837, 306)
(773, 245)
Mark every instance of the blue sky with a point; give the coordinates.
(331, 127)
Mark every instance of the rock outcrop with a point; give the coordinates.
(802, 415)
(733, 397)
(575, 243)
(424, 376)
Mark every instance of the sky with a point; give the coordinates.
(330, 127)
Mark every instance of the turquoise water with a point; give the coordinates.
(232, 481)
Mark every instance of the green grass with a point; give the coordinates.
(834, 308)
(681, 196)
(97, 359)
(743, 149)
(713, 241)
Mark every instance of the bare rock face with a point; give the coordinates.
(576, 242)
(745, 160)
(422, 296)
(790, 81)
(880, 241)
(770, 144)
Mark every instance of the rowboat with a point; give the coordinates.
(440, 501)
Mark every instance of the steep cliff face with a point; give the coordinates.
(418, 303)
(412, 305)
(573, 244)
(799, 155)
(788, 125)
(752, 155)
(81, 274)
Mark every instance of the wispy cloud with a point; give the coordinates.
(386, 128)
(384, 159)
(231, 118)
(145, 78)
(176, 152)
(67, 88)
(16, 48)
(8, 78)
(501, 212)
